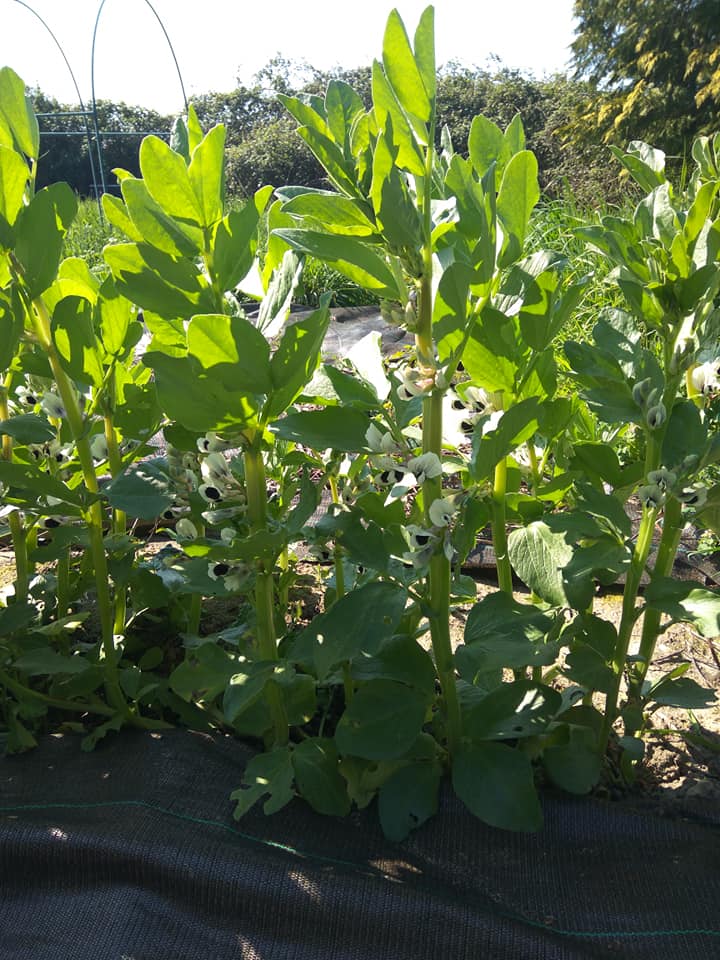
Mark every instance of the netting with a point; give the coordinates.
(132, 852)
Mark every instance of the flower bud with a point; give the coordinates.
(656, 416)
(651, 496)
(641, 391)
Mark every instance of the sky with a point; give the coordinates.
(217, 42)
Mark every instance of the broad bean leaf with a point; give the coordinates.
(267, 774)
(32, 481)
(395, 210)
(318, 778)
(519, 192)
(144, 490)
(407, 132)
(501, 632)
(539, 556)
(18, 123)
(333, 213)
(399, 658)
(11, 328)
(155, 226)
(43, 661)
(521, 708)
(16, 617)
(195, 398)
(606, 560)
(573, 760)
(382, 721)
(167, 286)
(79, 350)
(686, 434)
(402, 70)
(233, 350)
(234, 241)
(408, 798)
(167, 178)
(245, 687)
(207, 175)
(14, 175)
(356, 625)
(352, 257)
(487, 146)
(39, 235)
(28, 428)
(203, 674)
(116, 321)
(339, 429)
(295, 360)
(685, 601)
(495, 782)
(490, 447)
(682, 692)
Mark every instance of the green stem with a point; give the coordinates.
(63, 585)
(667, 550)
(534, 467)
(440, 571)
(17, 529)
(627, 619)
(338, 559)
(264, 606)
(119, 518)
(26, 693)
(94, 514)
(499, 528)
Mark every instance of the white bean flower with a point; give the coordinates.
(214, 469)
(442, 511)
(425, 467)
(52, 406)
(705, 378)
(380, 441)
(186, 529)
(99, 447)
(693, 496)
(211, 443)
(210, 493)
(413, 383)
(26, 397)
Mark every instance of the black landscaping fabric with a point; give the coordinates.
(131, 853)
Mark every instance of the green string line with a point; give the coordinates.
(294, 851)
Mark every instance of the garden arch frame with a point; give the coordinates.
(89, 116)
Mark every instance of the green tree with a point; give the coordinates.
(654, 67)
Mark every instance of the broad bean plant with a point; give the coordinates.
(179, 390)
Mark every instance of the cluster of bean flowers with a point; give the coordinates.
(394, 465)
(207, 474)
(663, 482)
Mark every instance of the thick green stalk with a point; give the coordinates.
(628, 618)
(17, 529)
(439, 574)
(119, 518)
(266, 635)
(667, 550)
(499, 528)
(94, 514)
(338, 559)
(26, 693)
